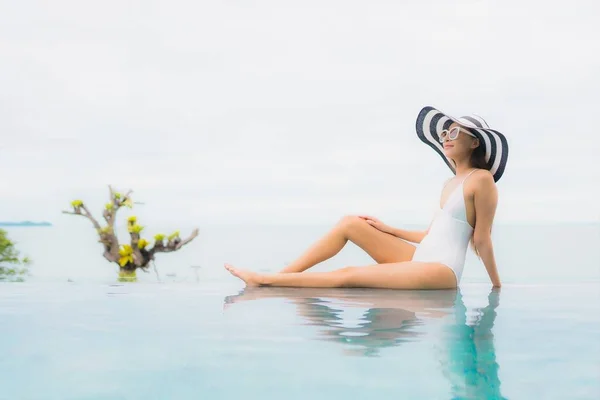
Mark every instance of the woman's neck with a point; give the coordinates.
(463, 167)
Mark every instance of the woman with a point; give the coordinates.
(477, 156)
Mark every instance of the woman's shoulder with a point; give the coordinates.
(482, 179)
(483, 176)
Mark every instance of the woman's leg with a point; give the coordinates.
(382, 247)
(403, 275)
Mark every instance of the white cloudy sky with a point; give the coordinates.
(289, 111)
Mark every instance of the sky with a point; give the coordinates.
(292, 112)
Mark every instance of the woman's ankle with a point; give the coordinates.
(265, 279)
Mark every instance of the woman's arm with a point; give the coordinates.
(486, 201)
(411, 236)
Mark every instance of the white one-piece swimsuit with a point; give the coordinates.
(449, 234)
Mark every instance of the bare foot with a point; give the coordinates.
(251, 278)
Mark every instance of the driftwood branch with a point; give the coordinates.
(89, 215)
(110, 215)
(138, 258)
(86, 214)
(136, 254)
(107, 238)
(107, 235)
(110, 256)
(172, 245)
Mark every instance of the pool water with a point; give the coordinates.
(221, 341)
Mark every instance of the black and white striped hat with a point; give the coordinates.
(431, 121)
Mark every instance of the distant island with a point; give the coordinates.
(25, 223)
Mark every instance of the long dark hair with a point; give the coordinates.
(478, 157)
(477, 160)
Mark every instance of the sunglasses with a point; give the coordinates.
(452, 134)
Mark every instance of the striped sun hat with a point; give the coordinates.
(431, 121)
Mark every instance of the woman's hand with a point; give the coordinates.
(376, 223)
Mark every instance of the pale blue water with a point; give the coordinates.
(190, 337)
(176, 341)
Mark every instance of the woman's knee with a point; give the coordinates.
(350, 223)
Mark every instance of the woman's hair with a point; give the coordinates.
(477, 160)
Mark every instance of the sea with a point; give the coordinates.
(189, 330)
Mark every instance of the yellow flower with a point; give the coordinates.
(126, 253)
(77, 203)
(136, 228)
(159, 237)
(109, 206)
(117, 195)
(173, 235)
(128, 202)
(125, 250)
(105, 229)
(132, 219)
(142, 243)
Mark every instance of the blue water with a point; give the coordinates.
(182, 335)
(189, 341)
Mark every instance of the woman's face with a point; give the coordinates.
(462, 145)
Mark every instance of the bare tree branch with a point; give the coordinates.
(156, 271)
(186, 241)
(111, 257)
(117, 204)
(113, 245)
(107, 237)
(172, 245)
(87, 215)
(141, 257)
(106, 215)
(113, 211)
(138, 258)
(127, 195)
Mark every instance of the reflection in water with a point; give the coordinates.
(468, 358)
(467, 354)
(376, 329)
(391, 316)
